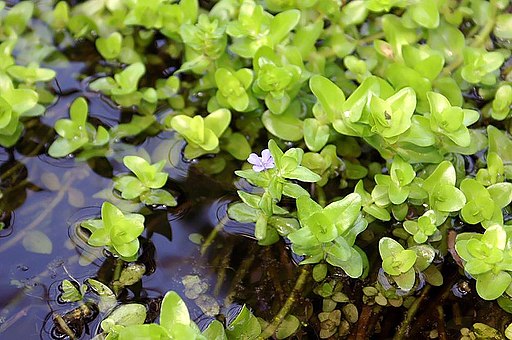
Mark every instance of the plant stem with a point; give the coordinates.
(366, 322)
(320, 194)
(58, 320)
(404, 327)
(290, 301)
(240, 273)
(371, 38)
(209, 240)
(479, 41)
(117, 270)
(441, 329)
(224, 264)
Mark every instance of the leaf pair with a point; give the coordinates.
(116, 230)
(202, 134)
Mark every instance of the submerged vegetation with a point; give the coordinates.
(368, 142)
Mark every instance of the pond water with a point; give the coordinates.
(214, 263)
(51, 196)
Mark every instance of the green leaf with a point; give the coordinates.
(110, 47)
(330, 96)
(447, 198)
(319, 272)
(285, 126)
(218, 121)
(353, 266)
(150, 331)
(501, 194)
(344, 212)
(316, 135)
(444, 173)
(500, 143)
(238, 146)
(173, 311)
(70, 292)
(302, 174)
(389, 247)
(306, 207)
(243, 326)
(491, 286)
(125, 315)
(243, 213)
(128, 79)
(503, 26)
(288, 327)
(426, 14)
(21, 100)
(215, 331)
(158, 197)
(406, 280)
(282, 24)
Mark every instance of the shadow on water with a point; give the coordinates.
(45, 196)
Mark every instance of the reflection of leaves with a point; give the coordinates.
(158, 223)
(52, 182)
(37, 242)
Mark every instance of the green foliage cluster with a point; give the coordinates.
(146, 184)
(175, 323)
(384, 118)
(117, 231)
(22, 80)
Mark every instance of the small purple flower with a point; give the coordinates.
(264, 162)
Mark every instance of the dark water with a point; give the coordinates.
(235, 268)
(29, 281)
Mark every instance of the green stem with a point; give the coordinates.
(479, 41)
(290, 301)
(320, 194)
(224, 264)
(404, 327)
(242, 270)
(371, 38)
(209, 240)
(117, 270)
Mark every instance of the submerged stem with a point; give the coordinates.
(242, 270)
(224, 264)
(215, 231)
(290, 301)
(404, 327)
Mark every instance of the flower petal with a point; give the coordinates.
(258, 168)
(254, 159)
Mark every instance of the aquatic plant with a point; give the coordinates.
(146, 183)
(117, 231)
(76, 133)
(365, 140)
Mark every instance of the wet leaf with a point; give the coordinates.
(288, 327)
(125, 315)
